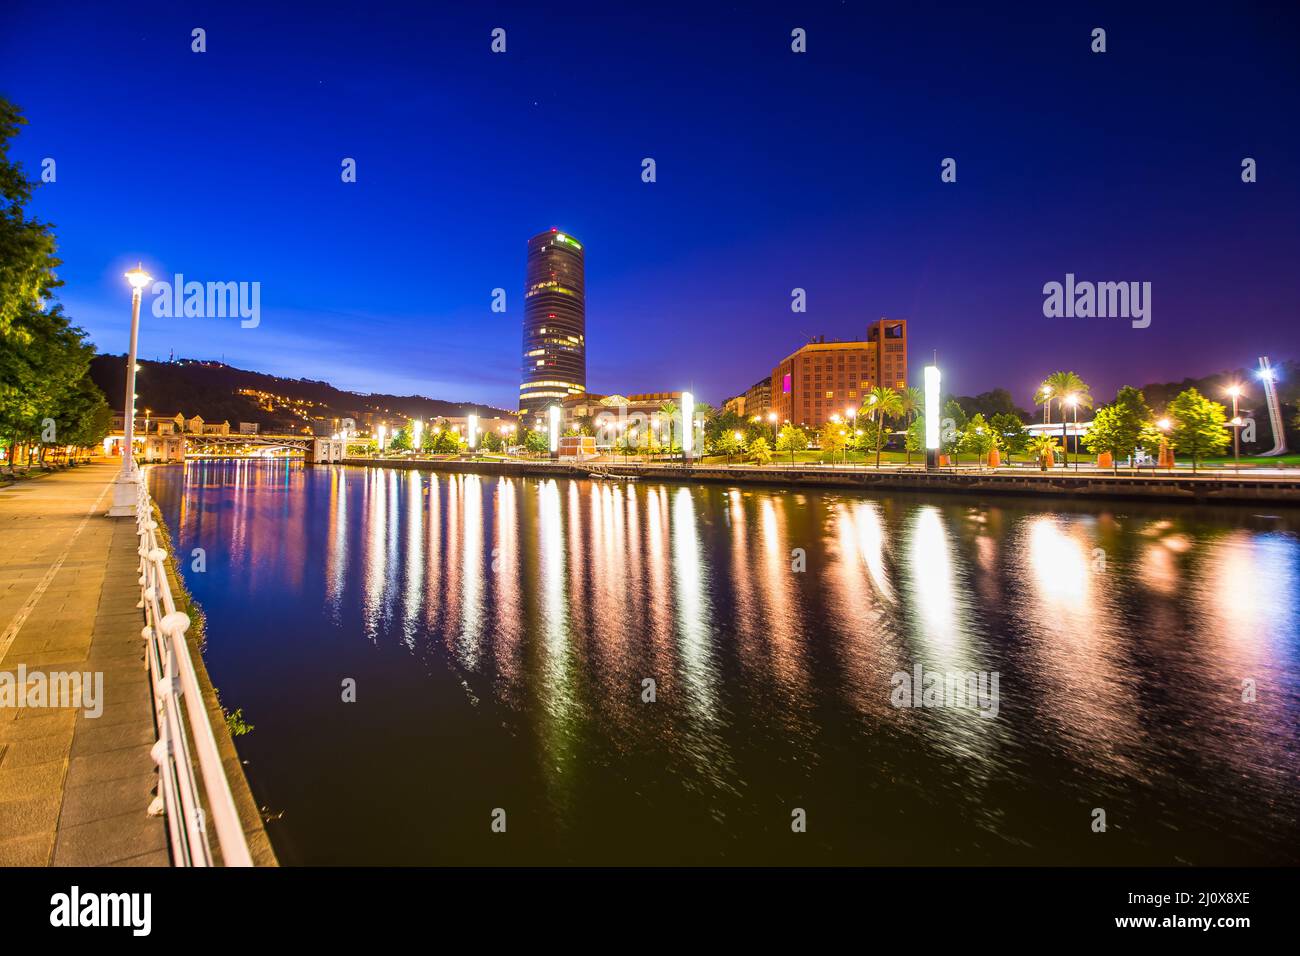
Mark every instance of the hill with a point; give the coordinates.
(219, 392)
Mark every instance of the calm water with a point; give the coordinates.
(499, 632)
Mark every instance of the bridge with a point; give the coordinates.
(174, 447)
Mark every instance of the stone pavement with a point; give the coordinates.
(74, 789)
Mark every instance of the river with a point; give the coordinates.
(645, 672)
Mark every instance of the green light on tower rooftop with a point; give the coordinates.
(569, 239)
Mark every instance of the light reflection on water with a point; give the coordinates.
(501, 631)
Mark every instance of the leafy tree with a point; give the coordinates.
(951, 426)
(1199, 426)
(401, 440)
(1011, 433)
(915, 438)
(834, 437)
(978, 437)
(536, 443)
(1119, 427)
(27, 260)
(792, 438)
(729, 444)
(759, 452)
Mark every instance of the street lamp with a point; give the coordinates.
(1074, 404)
(1166, 456)
(1235, 392)
(1047, 404)
(124, 488)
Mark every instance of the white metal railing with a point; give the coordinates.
(182, 736)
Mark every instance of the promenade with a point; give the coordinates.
(76, 781)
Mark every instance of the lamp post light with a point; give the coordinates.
(1074, 404)
(1166, 456)
(738, 437)
(1047, 404)
(1235, 392)
(932, 380)
(771, 420)
(383, 435)
(124, 488)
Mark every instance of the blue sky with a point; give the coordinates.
(775, 171)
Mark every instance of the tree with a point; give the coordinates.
(914, 440)
(759, 452)
(951, 426)
(1011, 433)
(978, 437)
(834, 436)
(1199, 426)
(27, 260)
(536, 443)
(401, 440)
(882, 404)
(1118, 428)
(729, 444)
(792, 438)
(1068, 390)
(912, 401)
(1040, 446)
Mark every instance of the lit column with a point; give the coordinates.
(554, 413)
(688, 425)
(417, 431)
(931, 417)
(472, 429)
(124, 489)
(1235, 392)
(383, 438)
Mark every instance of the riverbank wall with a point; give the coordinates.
(1188, 489)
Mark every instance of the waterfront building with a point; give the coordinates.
(822, 379)
(555, 323)
(758, 400)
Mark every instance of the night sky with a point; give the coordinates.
(775, 170)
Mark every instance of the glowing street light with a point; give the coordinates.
(383, 438)
(124, 488)
(554, 413)
(1235, 392)
(932, 380)
(472, 431)
(417, 429)
(688, 426)
(1073, 401)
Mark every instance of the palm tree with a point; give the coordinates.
(886, 403)
(912, 402)
(1066, 388)
(1040, 446)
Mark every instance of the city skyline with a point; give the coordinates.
(385, 284)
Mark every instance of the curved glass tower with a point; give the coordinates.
(555, 323)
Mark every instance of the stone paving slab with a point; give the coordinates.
(74, 790)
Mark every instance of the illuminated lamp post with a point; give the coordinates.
(472, 432)
(1166, 454)
(932, 380)
(1074, 403)
(417, 432)
(554, 413)
(739, 440)
(383, 438)
(1235, 392)
(124, 488)
(688, 427)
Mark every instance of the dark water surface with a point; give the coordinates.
(499, 631)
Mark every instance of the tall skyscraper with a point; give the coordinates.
(555, 322)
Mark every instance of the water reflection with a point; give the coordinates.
(502, 632)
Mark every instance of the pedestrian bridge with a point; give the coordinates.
(177, 447)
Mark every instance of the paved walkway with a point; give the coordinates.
(74, 789)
